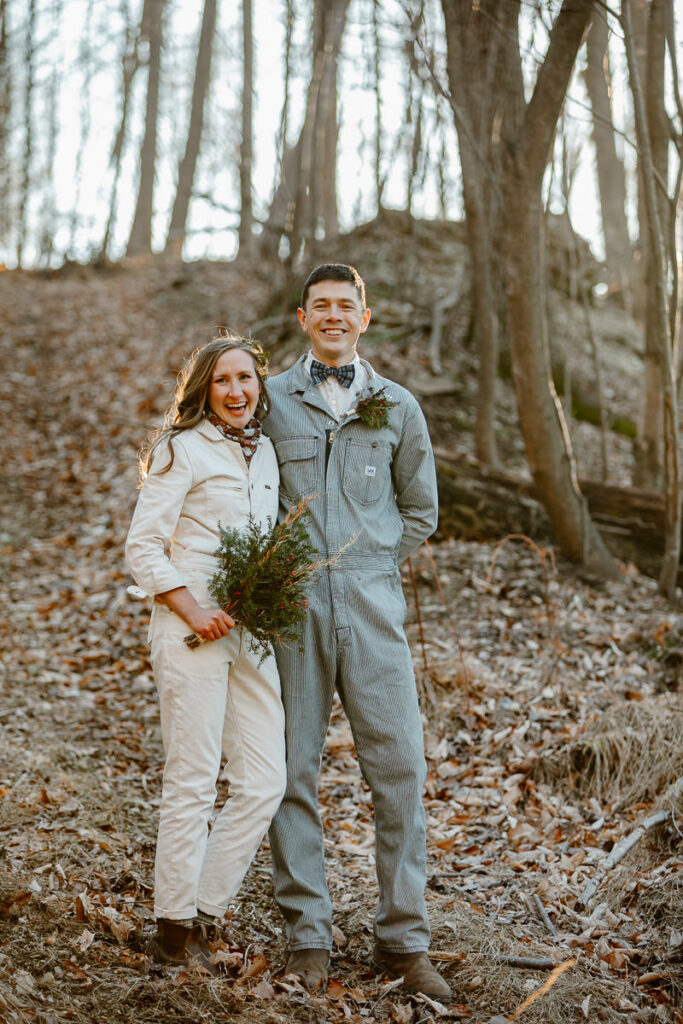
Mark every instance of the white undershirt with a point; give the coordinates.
(339, 398)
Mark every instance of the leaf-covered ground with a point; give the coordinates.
(552, 708)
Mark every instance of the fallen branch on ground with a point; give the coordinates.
(619, 852)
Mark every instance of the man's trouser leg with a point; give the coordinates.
(377, 687)
(373, 667)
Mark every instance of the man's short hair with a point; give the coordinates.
(334, 272)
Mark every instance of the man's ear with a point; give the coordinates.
(364, 321)
(301, 313)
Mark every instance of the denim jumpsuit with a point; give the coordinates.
(379, 485)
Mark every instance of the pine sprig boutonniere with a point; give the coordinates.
(373, 410)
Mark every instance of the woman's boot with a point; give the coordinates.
(178, 945)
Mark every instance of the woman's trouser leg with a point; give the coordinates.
(254, 746)
(196, 717)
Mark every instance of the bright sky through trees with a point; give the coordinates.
(77, 68)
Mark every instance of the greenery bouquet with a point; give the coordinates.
(261, 579)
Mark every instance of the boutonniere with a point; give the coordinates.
(373, 410)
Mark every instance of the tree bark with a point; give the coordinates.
(611, 181)
(311, 210)
(5, 109)
(648, 467)
(480, 502)
(648, 155)
(280, 214)
(480, 58)
(140, 239)
(188, 164)
(546, 438)
(130, 64)
(27, 156)
(246, 238)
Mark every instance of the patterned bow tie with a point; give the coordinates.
(344, 374)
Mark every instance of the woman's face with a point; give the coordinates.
(234, 390)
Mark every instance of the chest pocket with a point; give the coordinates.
(296, 457)
(367, 471)
(227, 500)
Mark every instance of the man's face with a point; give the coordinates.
(333, 320)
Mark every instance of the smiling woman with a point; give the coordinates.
(210, 467)
(235, 388)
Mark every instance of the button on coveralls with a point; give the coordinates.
(216, 698)
(381, 485)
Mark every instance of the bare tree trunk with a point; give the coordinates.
(246, 238)
(140, 239)
(48, 211)
(546, 438)
(281, 212)
(648, 468)
(5, 110)
(313, 216)
(130, 63)
(27, 157)
(648, 157)
(84, 127)
(611, 182)
(483, 80)
(377, 76)
(186, 169)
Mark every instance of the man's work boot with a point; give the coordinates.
(177, 945)
(417, 972)
(309, 965)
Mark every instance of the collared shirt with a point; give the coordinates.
(339, 398)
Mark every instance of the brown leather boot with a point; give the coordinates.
(417, 972)
(309, 965)
(176, 945)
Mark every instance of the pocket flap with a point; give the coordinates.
(294, 448)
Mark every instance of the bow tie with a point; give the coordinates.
(344, 374)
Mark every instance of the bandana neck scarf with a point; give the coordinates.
(246, 437)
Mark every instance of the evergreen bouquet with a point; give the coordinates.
(261, 579)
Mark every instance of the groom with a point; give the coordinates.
(360, 443)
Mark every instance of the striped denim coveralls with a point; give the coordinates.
(381, 485)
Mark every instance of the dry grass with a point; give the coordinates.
(631, 754)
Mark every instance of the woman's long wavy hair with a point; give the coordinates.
(191, 400)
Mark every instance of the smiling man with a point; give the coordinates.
(360, 443)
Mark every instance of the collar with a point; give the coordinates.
(300, 379)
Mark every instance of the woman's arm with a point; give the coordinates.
(209, 623)
(155, 519)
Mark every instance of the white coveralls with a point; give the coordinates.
(380, 486)
(215, 698)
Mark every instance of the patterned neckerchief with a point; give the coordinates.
(246, 437)
(344, 374)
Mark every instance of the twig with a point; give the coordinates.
(466, 674)
(543, 914)
(619, 852)
(543, 554)
(548, 984)
(529, 963)
(418, 614)
(430, 556)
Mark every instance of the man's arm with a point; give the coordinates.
(414, 476)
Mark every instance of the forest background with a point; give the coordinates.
(507, 178)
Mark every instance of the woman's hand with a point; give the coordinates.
(208, 623)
